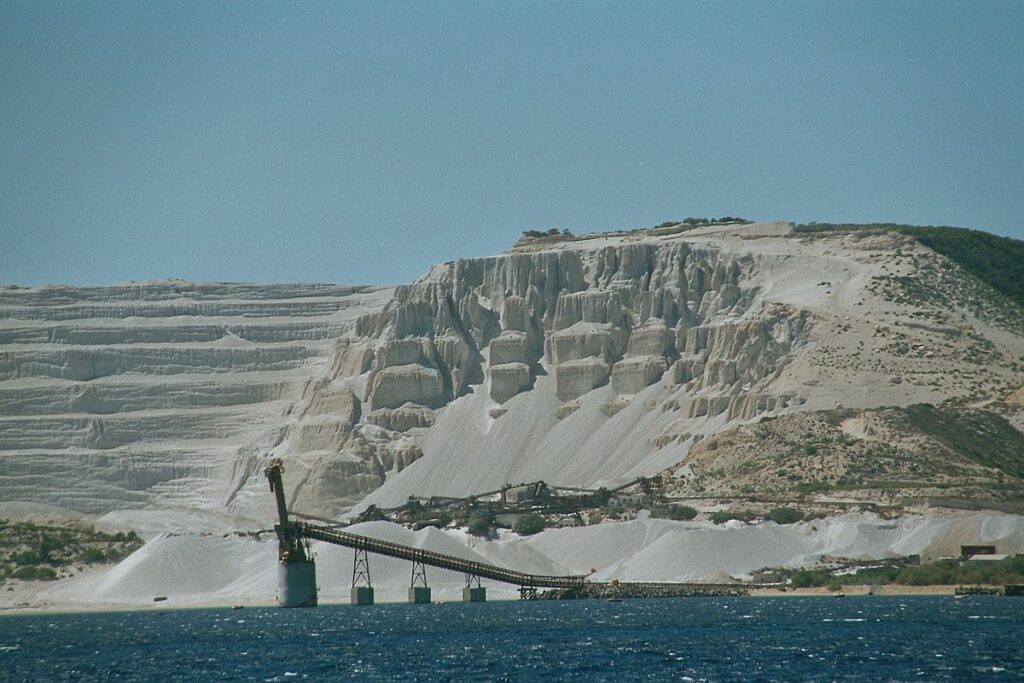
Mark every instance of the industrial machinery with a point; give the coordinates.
(296, 573)
(296, 568)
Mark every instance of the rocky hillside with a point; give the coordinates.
(595, 360)
(581, 361)
(884, 455)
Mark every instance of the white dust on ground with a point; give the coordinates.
(196, 570)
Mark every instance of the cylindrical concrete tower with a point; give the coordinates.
(296, 584)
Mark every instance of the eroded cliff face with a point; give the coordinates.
(588, 327)
(588, 362)
(623, 315)
(595, 361)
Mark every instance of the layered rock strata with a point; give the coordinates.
(167, 394)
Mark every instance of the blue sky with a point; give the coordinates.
(361, 142)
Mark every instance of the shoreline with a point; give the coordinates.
(880, 590)
(852, 590)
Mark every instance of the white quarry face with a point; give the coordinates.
(166, 394)
(585, 363)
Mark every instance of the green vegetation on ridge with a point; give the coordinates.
(981, 436)
(996, 261)
(689, 223)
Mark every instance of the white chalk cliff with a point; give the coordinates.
(580, 362)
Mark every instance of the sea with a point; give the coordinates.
(684, 639)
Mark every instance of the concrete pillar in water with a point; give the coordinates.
(478, 594)
(296, 584)
(419, 595)
(362, 595)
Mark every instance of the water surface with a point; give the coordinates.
(701, 639)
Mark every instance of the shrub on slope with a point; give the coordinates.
(996, 261)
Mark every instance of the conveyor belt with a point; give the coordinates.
(405, 552)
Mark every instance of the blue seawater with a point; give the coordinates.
(701, 639)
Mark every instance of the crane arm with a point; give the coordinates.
(290, 547)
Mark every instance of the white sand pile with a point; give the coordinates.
(223, 570)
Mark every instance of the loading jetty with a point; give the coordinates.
(297, 568)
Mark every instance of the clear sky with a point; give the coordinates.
(361, 142)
